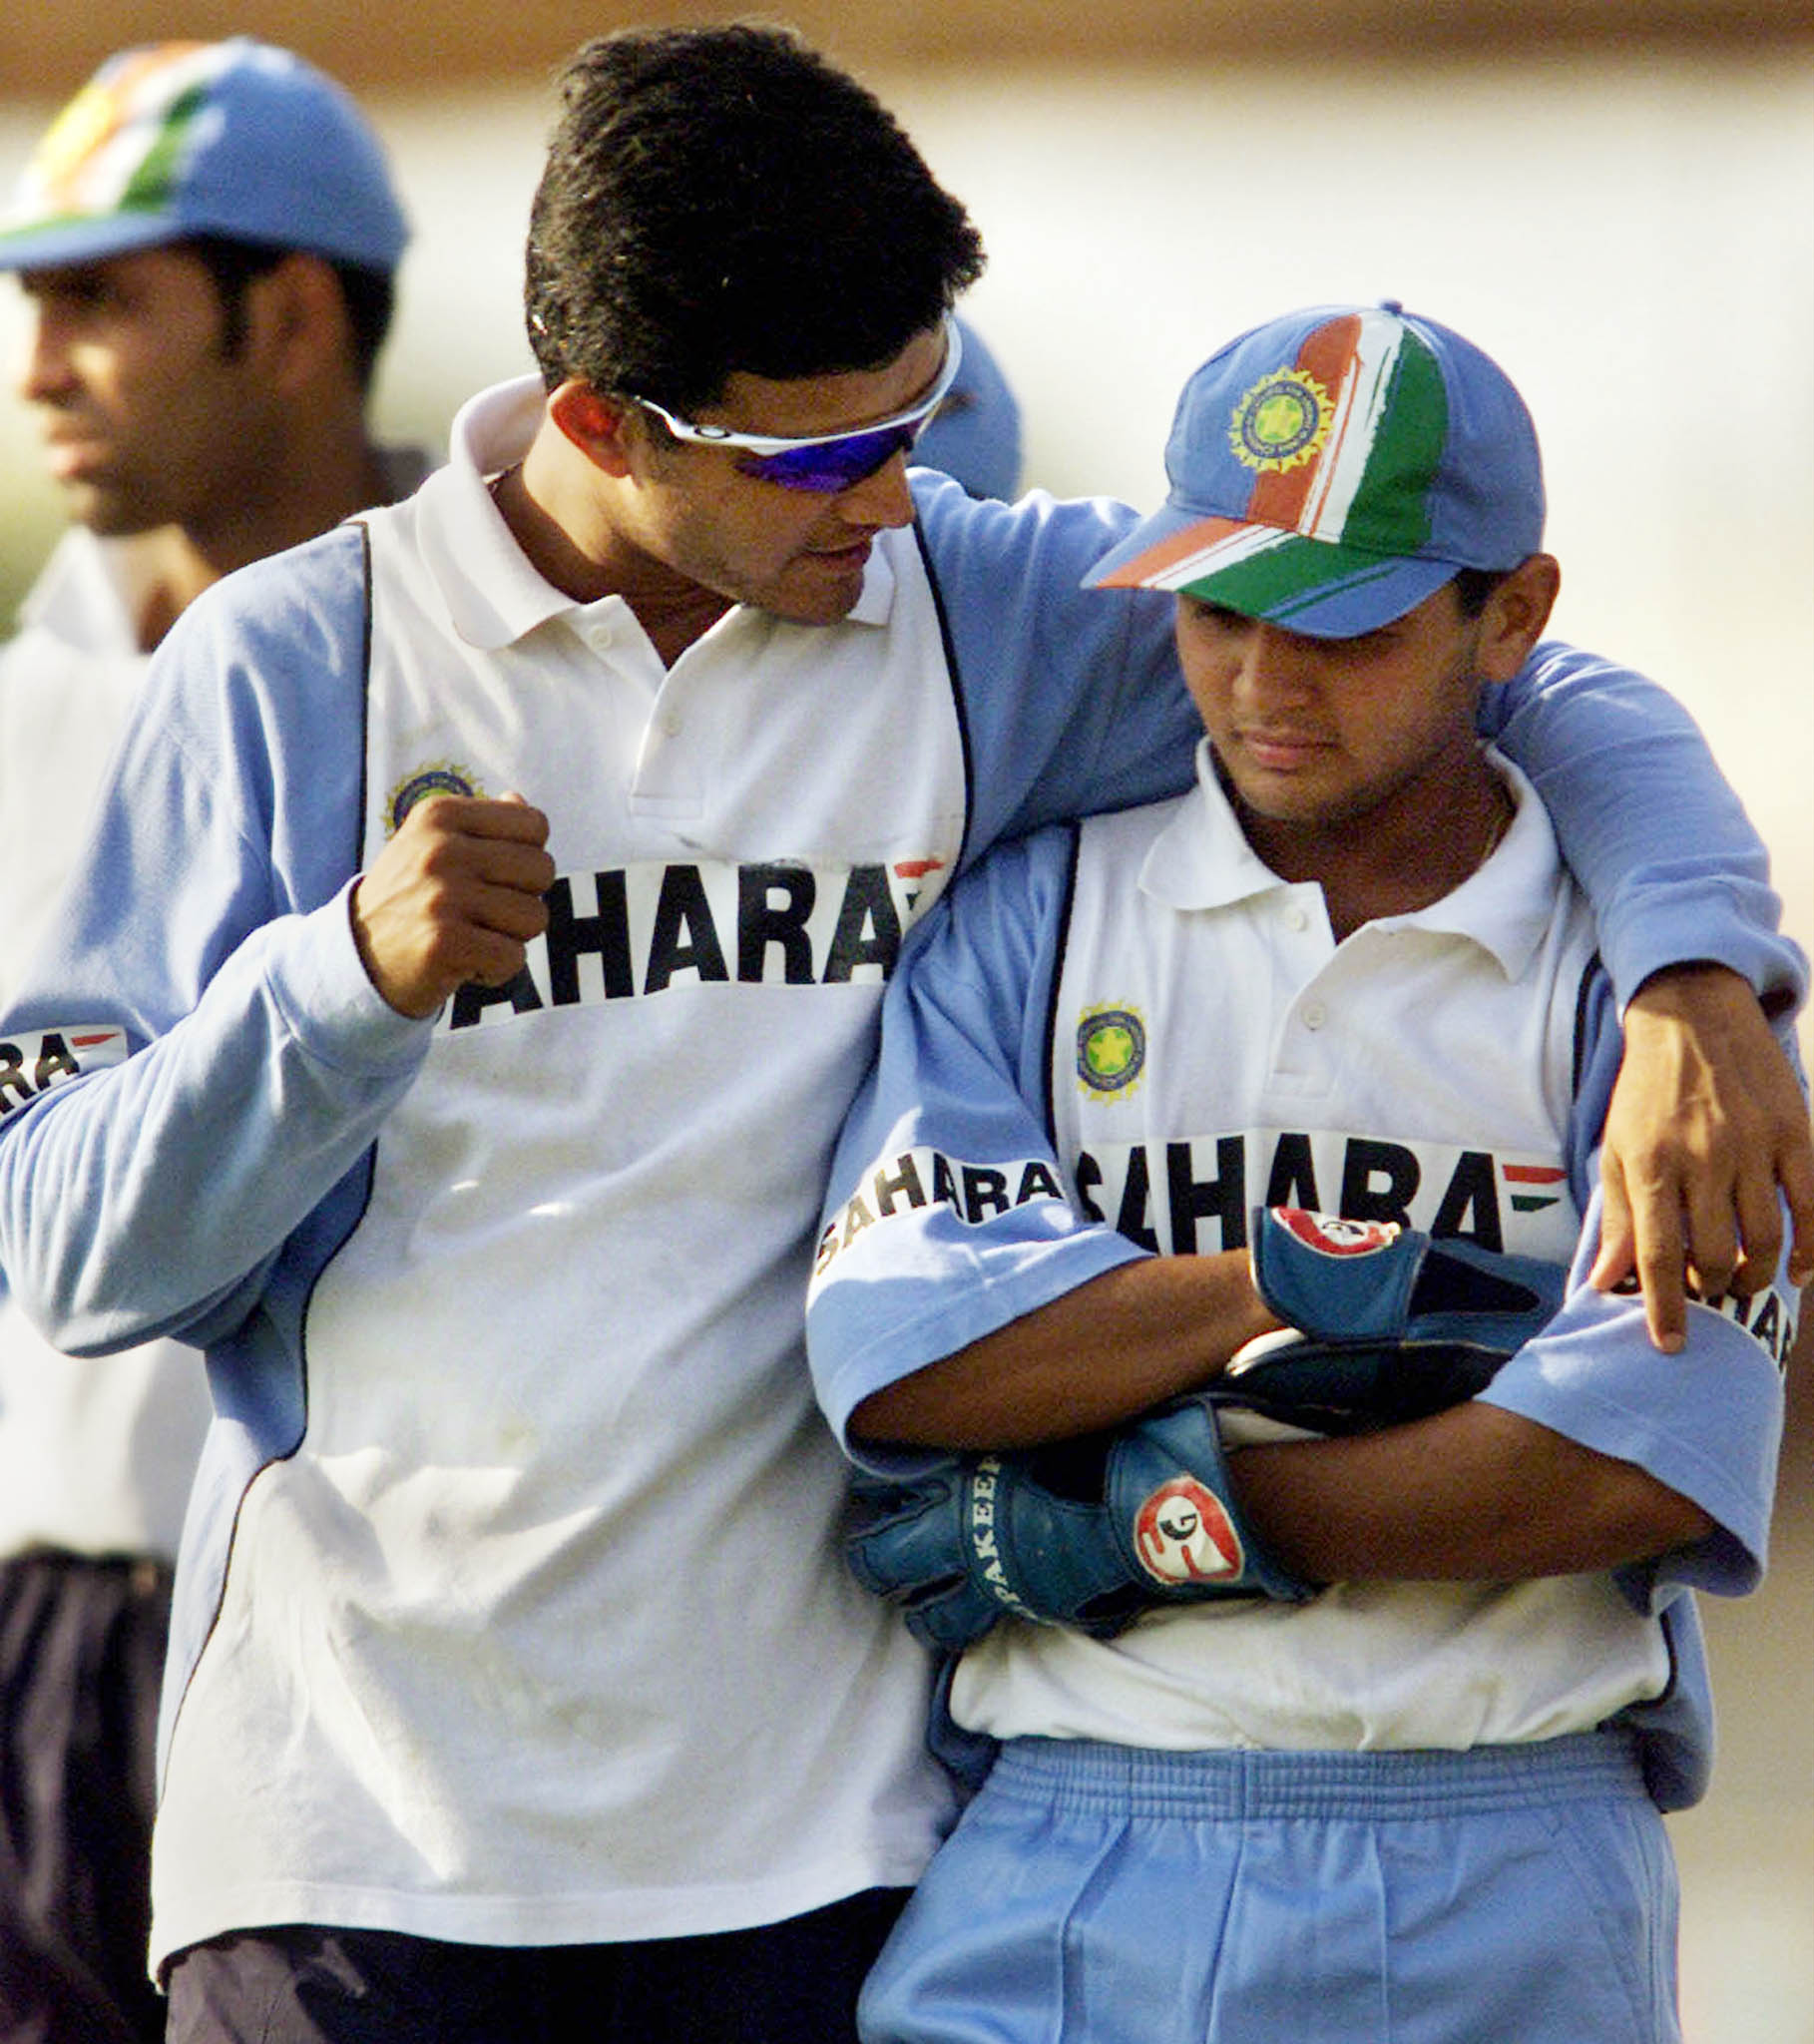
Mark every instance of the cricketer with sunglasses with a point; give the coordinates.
(449, 1029)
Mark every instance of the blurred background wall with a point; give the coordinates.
(1615, 197)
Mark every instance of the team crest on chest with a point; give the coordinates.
(439, 777)
(1111, 1051)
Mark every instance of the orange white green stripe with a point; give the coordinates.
(118, 145)
(1333, 468)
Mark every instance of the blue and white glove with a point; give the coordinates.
(1086, 1533)
(1384, 1325)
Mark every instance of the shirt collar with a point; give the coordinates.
(1202, 860)
(88, 596)
(492, 593)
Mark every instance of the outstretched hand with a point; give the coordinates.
(1706, 1137)
(456, 896)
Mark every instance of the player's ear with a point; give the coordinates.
(295, 321)
(1515, 616)
(293, 324)
(596, 425)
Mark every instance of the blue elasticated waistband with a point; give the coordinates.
(1086, 1774)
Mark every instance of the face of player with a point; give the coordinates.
(146, 421)
(1317, 735)
(796, 554)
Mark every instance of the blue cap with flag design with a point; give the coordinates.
(1333, 468)
(178, 139)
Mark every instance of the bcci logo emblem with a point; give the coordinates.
(1282, 421)
(441, 777)
(1111, 1050)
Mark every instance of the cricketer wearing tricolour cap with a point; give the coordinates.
(206, 239)
(207, 234)
(1335, 1683)
(1335, 473)
(1331, 469)
(181, 139)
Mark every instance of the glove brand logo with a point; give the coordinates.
(1184, 1534)
(1330, 1235)
(1111, 1051)
(983, 1544)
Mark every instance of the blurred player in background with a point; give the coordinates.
(975, 435)
(208, 238)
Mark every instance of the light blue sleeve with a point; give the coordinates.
(1072, 698)
(1658, 842)
(948, 1216)
(1706, 1422)
(241, 1061)
(1074, 704)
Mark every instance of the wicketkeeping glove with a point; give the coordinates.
(1391, 1324)
(1086, 1533)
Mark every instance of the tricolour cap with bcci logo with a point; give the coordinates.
(1331, 469)
(175, 140)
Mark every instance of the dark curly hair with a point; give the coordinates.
(721, 198)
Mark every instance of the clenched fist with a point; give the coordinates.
(454, 897)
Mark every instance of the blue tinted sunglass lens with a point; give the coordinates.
(836, 464)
